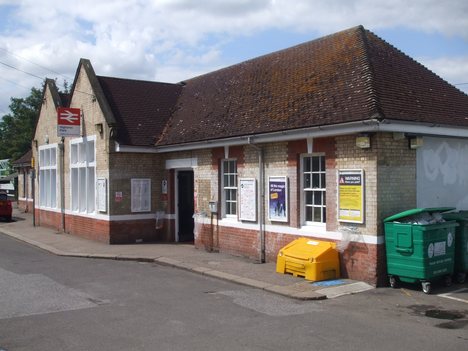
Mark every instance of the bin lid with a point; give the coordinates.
(416, 211)
(305, 248)
(461, 215)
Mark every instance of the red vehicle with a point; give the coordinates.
(5, 207)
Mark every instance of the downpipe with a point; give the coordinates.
(261, 199)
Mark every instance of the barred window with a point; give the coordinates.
(48, 176)
(229, 186)
(314, 188)
(83, 168)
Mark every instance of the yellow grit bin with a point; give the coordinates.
(311, 259)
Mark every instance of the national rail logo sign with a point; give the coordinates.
(68, 121)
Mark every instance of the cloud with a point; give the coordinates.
(171, 40)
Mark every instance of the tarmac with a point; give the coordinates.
(235, 269)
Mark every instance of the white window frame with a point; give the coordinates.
(230, 188)
(48, 183)
(304, 190)
(139, 203)
(83, 200)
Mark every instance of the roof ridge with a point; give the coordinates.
(136, 80)
(379, 114)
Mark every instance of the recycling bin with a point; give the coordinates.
(420, 247)
(461, 244)
(311, 259)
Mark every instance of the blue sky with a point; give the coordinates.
(173, 40)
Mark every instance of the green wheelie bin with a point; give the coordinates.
(420, 247)
(461, 244)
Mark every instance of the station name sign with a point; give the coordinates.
(68, 121)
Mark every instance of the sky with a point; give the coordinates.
(173, 40)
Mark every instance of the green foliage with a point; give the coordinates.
(17, 127)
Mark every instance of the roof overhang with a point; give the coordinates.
(366, 126)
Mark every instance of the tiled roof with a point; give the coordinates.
(408, 91)
(141, 108)
(349, 76)
(25, 159)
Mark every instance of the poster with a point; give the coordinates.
(278, 199)
(351, 196)
(102, 194)
(247, 199)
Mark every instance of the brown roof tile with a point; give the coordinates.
(141, 108)
(349, 76)
(25, 159)
(408, 91)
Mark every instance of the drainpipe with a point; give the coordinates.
(261, 200)
(62, 183)
(33, 190)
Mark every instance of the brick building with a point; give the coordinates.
(23, 167)
(322, 140)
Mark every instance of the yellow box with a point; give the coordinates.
(311, 259)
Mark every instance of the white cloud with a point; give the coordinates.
(171, 40)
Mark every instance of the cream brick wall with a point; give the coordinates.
(396, 176)
(348, 156)
(83, 98)
(390, 177)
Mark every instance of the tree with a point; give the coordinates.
(17, 127)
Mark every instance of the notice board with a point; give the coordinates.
(247, 199)
(351, 196)
(101, 185)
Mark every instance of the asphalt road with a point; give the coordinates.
(57, 303)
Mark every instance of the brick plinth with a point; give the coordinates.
(360, 261)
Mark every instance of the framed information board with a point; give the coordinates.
(351, 196)
(247, 199)
(102, 194)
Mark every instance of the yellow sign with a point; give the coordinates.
(351, 196)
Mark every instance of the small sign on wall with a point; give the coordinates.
(102, 194)
(118, 196)
(351, 196)
(247, 199)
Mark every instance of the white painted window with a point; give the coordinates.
(229, 186)
(48, 176)
(83, 175)
(141, 195)
(314, 189)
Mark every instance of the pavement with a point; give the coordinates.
(183, 256)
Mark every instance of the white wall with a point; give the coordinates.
(442, 173)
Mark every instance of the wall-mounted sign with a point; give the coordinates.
(247, 199)
(118, 196)
(278, 199)
(102, 194)
(351, 196)
(68, 121)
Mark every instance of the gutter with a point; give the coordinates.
(371, 125)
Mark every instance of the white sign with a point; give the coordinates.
(247, 199)
(102, 194)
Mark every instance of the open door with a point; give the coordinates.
(185, 206)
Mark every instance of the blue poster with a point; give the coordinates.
(277, 199)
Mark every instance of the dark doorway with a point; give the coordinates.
(185, 205)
